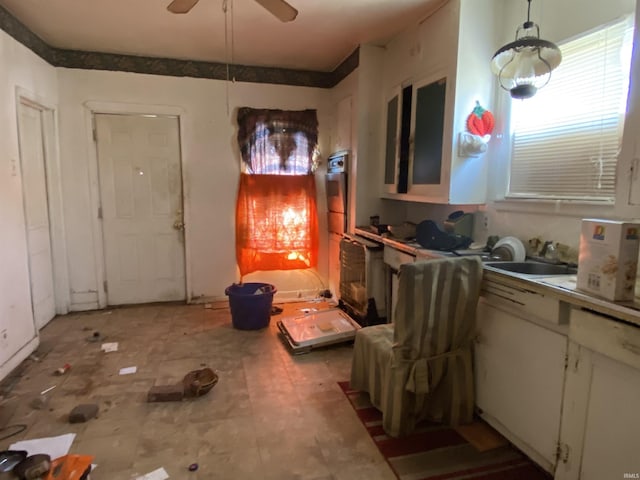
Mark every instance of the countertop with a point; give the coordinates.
(561, 286)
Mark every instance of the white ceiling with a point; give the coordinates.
(320, 38)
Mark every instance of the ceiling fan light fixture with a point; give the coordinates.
(525, 65)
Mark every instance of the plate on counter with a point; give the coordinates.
(514, 246)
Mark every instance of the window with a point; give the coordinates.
(276, 217)
(566, 139)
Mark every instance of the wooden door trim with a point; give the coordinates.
(54, 193)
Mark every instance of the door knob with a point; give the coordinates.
(178, 225)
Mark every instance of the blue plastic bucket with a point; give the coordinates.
(250, 304)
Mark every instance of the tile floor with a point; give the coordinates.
(271, 415)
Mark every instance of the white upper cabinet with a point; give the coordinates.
(433, 76)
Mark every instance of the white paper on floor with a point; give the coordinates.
(109, 347)
(55, 447)
(159, 474)
(128, 370)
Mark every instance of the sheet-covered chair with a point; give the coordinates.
(420, 367)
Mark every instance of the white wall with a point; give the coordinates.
(211, 165)
(20, 68)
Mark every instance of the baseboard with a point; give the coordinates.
(8, 366)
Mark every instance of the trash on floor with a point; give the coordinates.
(70, 467)
(95, 337)
(83, 412)
(166, 393)
(198, 382)
(109, 347)
(41, 401)
(55, 447)
(275, 310)
(62, 370)
(33, 467)
(302, 333)
(193, 467)
(159, 474)
(128, 370)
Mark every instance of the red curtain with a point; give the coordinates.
(276, 222)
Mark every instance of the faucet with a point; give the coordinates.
(549, 251)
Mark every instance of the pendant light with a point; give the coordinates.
(524, 65)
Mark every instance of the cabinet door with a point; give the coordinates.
(397, 147)
(427, 173)
(392, 142)
(611, 446)
(519, 368)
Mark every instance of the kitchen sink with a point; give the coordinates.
(533, 268)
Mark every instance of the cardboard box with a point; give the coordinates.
(608, 258)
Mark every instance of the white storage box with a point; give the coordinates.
(608, 258)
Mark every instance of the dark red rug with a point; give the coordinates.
(438, 452)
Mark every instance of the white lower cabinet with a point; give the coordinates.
(519, 373)
(601, 417)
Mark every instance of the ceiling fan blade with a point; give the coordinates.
(280, 9)
(181, 6)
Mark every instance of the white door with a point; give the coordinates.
(36, 209)
(141, 198)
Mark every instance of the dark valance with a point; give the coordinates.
(278, 142)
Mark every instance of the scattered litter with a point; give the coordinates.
(107, 313)
(308, 310)
(40, 402)
(109, 347)
(166, 393)
(53, 446)
(72, 467)
(199, 382)
(208, 305)
(44, 392)
(128, 370)
(275, 310)
(82, 413)
(62, 370)
(33, 467)
(159, 474)
(34, 358)
(193, 467)
(96, 337)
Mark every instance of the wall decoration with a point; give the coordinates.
(473, 142)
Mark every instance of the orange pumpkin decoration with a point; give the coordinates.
(480, 121)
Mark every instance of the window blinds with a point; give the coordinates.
(566, 139)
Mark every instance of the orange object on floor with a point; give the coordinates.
(70, 467)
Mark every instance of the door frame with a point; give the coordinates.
(92, 108)
(55, 204)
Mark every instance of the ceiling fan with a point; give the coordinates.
(279, 8)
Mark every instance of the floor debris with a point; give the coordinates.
(128, 370)
(83, 413)
(166, 393)
(109, 347)
(159, 474)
